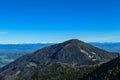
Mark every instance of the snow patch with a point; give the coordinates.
(90, 56)
(83, 51)
(93, 53)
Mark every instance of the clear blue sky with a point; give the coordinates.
(59, 20)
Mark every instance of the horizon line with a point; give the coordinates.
(52, 42)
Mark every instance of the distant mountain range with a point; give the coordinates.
(111, 47)
(74, 53)
(21, 48)
(30, 48)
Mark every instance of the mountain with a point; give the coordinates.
(73, 52)
(18, 50)
(111, 47)
(108, 71)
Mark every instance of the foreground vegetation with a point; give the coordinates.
(60, 71)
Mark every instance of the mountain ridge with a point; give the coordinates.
(107, 71)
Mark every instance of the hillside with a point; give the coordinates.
(60, 71)
(108, 71)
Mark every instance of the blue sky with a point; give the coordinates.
(58, 20)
